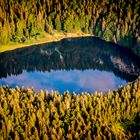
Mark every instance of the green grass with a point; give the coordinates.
(25, 114)
(42, 38)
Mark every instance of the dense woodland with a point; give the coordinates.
(26, 115)
(111, 20)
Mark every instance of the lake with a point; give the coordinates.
(85, 64)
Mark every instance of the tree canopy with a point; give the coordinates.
(111, 20)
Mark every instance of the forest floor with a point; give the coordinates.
(45, 38)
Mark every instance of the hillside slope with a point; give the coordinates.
(116, 21)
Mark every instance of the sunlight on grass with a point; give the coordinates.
(43, 38)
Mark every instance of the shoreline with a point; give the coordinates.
(46, 39)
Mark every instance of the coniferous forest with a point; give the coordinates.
(112, 20)
(27, 115)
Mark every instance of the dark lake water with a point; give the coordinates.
(74, 64)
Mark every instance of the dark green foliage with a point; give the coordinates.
(117, 21)
(25, 114)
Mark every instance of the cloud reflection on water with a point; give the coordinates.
(62, 80)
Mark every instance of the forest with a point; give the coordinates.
(27, 115)
(111, 20)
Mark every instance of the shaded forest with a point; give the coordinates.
(111, 20)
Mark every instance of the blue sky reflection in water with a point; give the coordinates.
(61, 80)
(84, 64)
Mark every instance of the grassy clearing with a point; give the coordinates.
(27, 115)
(43, 38)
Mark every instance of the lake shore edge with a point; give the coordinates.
(47, 39)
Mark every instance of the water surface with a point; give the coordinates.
(74, 64)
